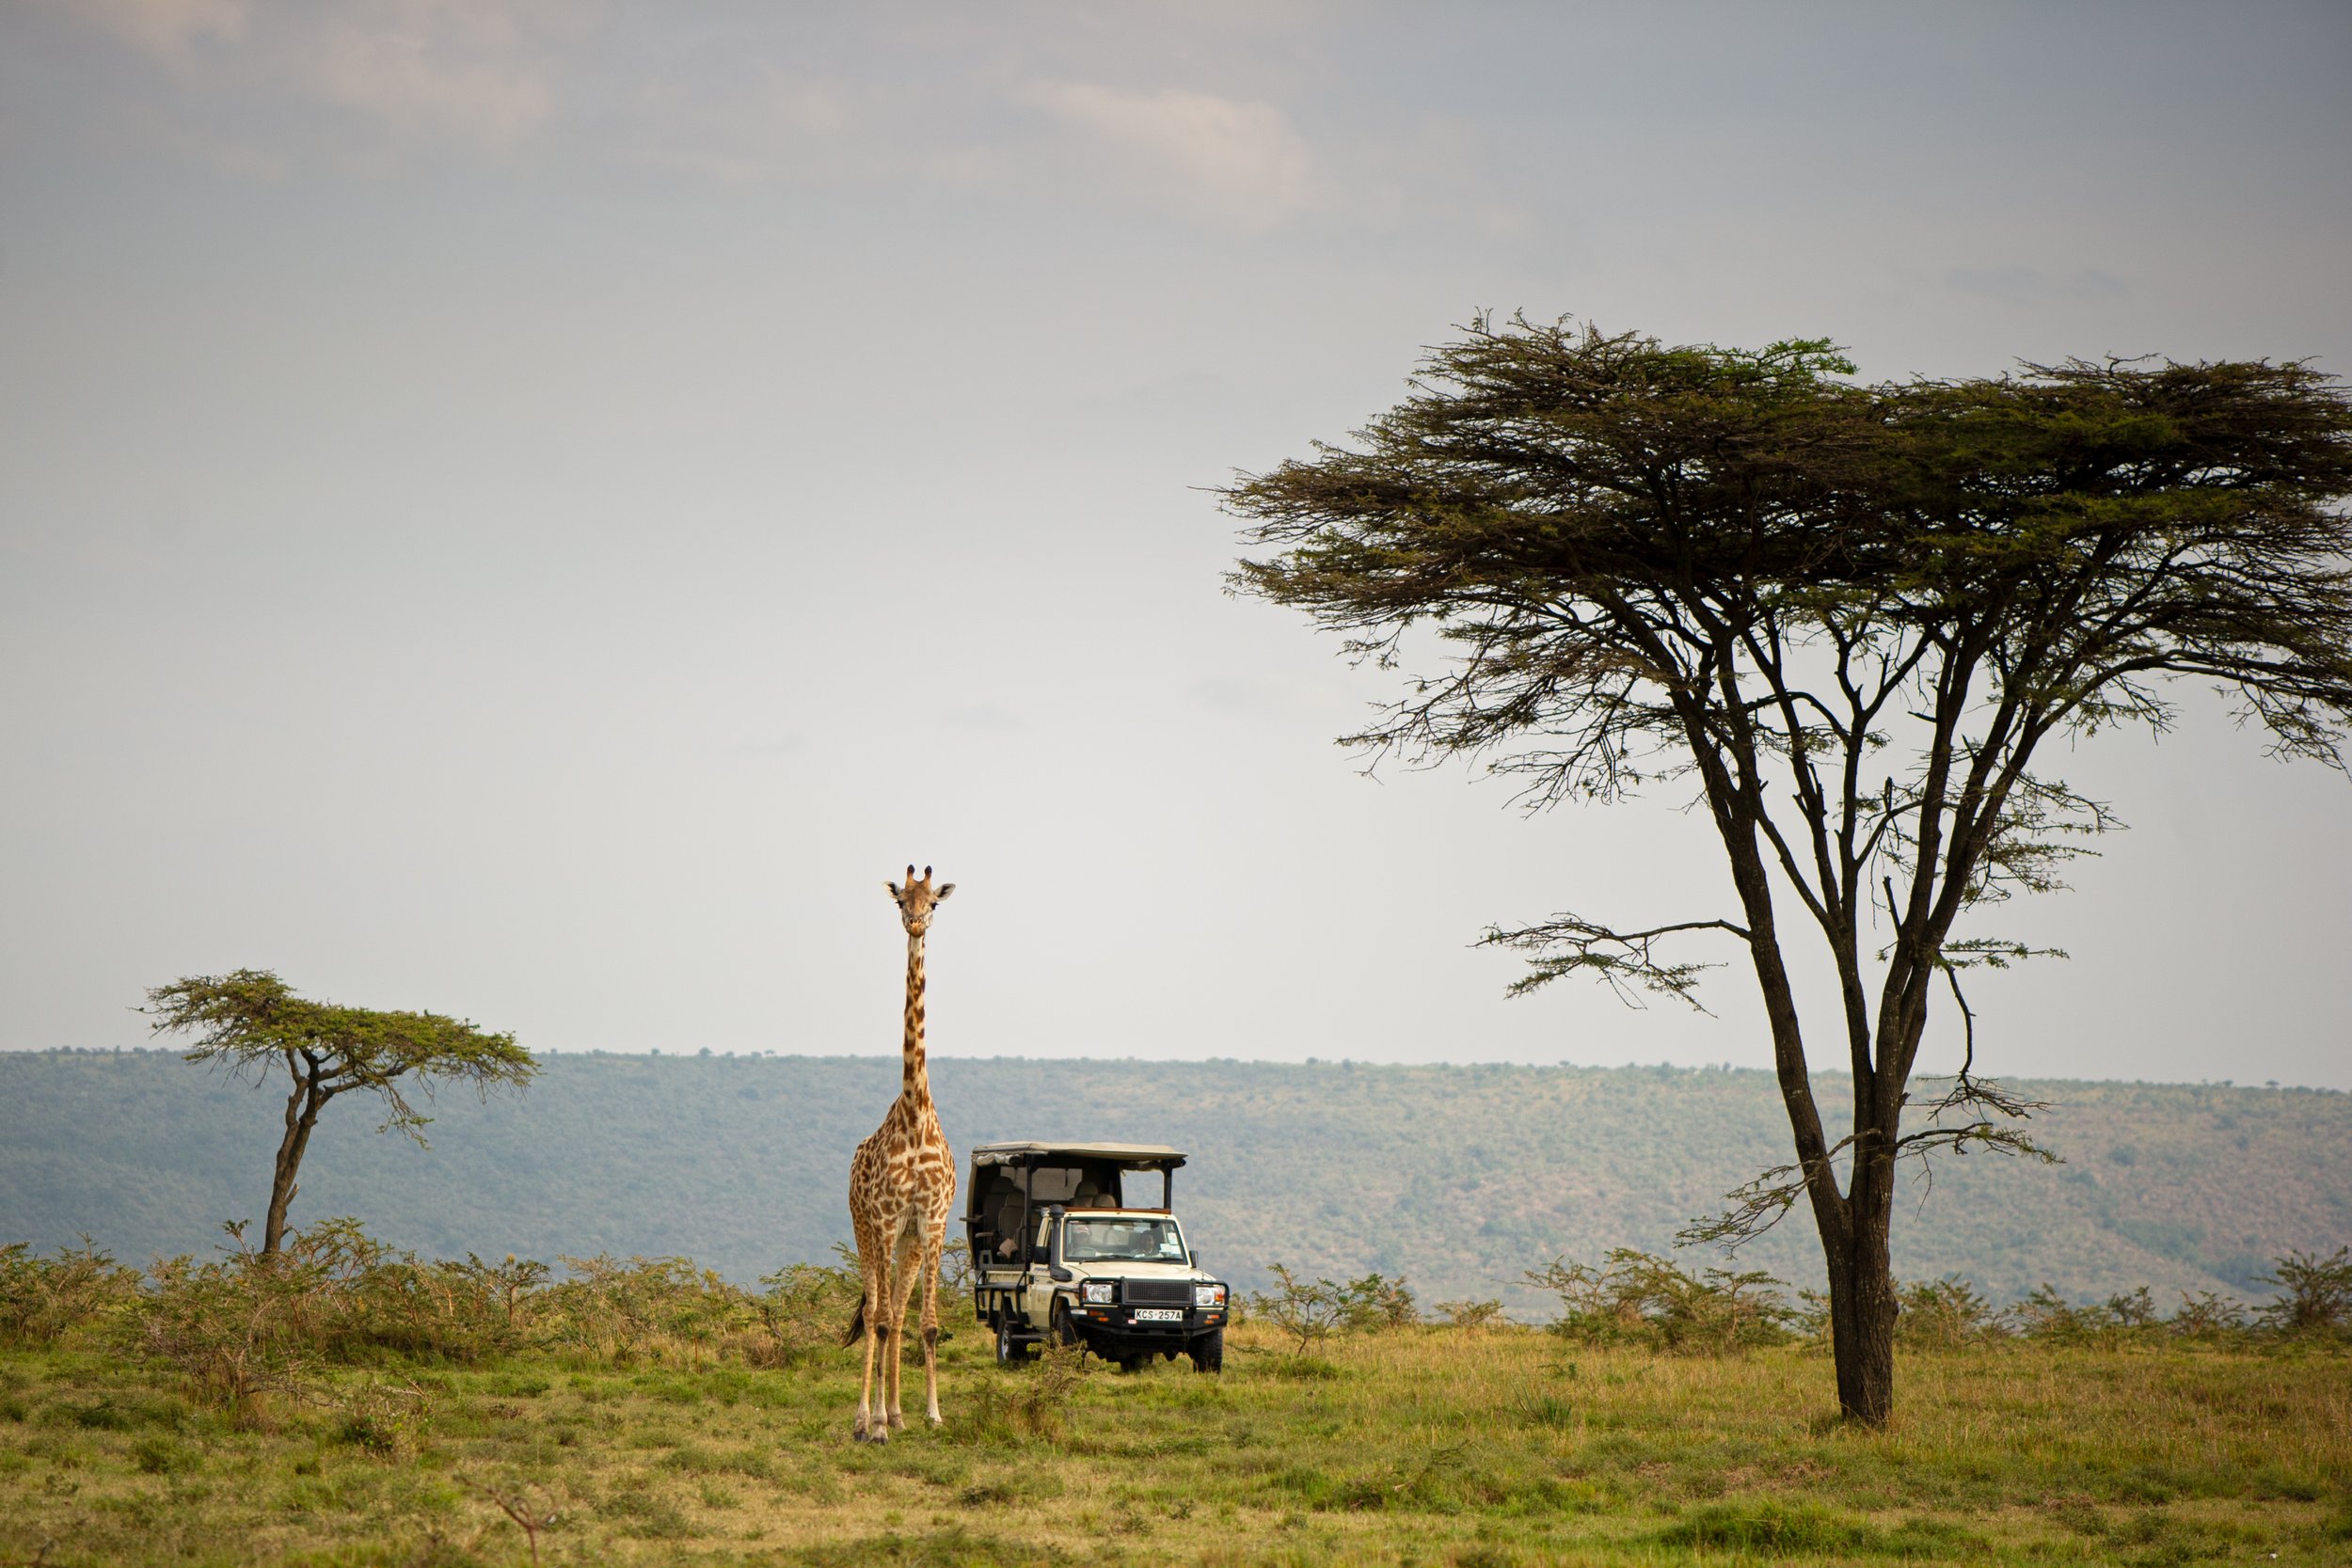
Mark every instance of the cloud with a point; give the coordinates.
(1235, 161)
(475, 70)
(165, 27)
(744, 121)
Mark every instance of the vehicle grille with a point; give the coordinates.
(1159, 1292)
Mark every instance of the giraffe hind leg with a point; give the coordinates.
(869, 1426)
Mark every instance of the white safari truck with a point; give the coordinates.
(1079, 1243)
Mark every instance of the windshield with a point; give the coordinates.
(1122, 1241)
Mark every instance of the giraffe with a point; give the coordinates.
(903, 1194)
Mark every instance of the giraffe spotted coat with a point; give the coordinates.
(902, 1198)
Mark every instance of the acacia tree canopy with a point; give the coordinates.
(250, 1022)
(1845, 617)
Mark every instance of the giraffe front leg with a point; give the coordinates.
(901, 1296)
(886, 1412)
(930, 1328)
(867, 1427)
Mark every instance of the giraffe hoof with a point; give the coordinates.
(897, 1422)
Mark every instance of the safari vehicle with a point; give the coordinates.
(1077, 1242)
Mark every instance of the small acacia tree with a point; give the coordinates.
(250, 1023)
(1846, 618)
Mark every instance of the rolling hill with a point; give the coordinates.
(1456, 1176)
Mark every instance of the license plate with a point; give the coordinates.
(1159, 1315)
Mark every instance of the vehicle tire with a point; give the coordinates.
(1131, 1365)
(1010, 1351)
(1065, 1331)
(1208, 1351)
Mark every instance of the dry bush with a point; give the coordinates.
(237, 1328)
(1471, 1314)
(1311, 1312)
(1637, 1298)
(650, 1310)
(44, 1299)
(2047, 1316)
(801, 1312)
(1308, 1312)
(1031, 1402)
(386, 1418)
(2318, 1298)
(1945, 1314)
(1376, 1302)
(2208, 1315)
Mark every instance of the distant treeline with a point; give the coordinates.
(1459, 1178)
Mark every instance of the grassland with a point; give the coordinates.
(1418, 1445)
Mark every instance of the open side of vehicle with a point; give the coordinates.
(1067, 1244)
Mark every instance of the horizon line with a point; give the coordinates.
(1347, 1063)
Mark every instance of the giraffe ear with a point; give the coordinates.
(944, 889)
(891, 888)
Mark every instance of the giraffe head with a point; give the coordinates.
(917, 899)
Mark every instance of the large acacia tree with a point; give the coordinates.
(1848, 619)
(250, 1023)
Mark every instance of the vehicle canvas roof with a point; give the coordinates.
(1141, 1154)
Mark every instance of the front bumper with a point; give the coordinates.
(1122, 1320)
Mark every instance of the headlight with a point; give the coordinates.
(1101, 1294)
(1208, 1296)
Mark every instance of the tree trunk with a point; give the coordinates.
(1862, 1308)
(302, 1114)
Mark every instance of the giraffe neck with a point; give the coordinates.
(917, 1083)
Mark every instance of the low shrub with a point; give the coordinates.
(1471, 1314)
(385, 1420)
(1943, 1314)
(1376, 1302)
(44, 1299)
(1311, 1312)
(1305, 1311)
(646, 1310)
(803, 1309)
(237, 1329)
(2207, 1315)
(2318, 1294)
(1636, 1297)
(2048, 1316)
(1030, 1403)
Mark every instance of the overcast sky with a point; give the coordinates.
(534, 510)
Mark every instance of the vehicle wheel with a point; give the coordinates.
(1208, 1351)
(1065, 1331)
(1010, 1351)
(1133, 1364)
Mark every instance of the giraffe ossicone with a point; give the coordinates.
(902, 1197)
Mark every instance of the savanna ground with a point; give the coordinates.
(1425, 1444)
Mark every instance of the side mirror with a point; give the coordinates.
(1196, 1261)
(1059, 1275)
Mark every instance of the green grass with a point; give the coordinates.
(1427, 1447)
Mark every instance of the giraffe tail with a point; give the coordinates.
(857, 1326)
